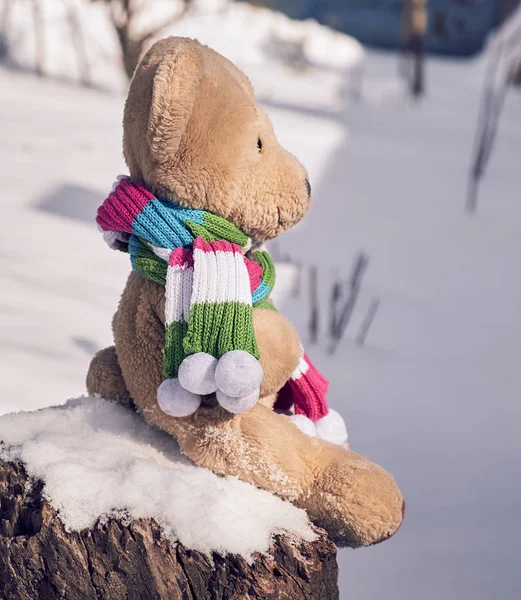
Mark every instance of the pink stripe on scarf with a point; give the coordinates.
(255, 273)
(181, 257)
(218, 246)
(307, 394)
(122, 206)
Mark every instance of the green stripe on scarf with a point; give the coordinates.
(173, 351)
(219, 328)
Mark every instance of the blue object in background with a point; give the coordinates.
(456, 27)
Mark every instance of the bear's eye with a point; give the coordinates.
(259, 144)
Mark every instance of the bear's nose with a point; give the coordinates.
(308, 186)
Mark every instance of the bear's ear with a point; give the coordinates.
(175, 87)
(159, 103)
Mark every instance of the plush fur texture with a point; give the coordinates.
(193, 132)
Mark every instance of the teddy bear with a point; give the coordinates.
(199, 350)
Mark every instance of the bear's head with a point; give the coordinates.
(194, 134)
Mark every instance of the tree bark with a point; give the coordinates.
(119, 560)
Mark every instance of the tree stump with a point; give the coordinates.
(118, 560)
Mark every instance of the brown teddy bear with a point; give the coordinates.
(208, 183)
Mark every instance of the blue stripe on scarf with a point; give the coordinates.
(133, 246)
(163, 227)
(261, 293)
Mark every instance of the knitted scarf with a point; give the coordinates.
(212, 278)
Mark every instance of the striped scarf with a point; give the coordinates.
(212, 278)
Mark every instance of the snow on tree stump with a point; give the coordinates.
(39, 559)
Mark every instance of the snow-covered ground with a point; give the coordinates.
(432, 395)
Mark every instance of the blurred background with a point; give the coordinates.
(403, 280)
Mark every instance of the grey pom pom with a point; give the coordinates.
(238, 374)
(175, 401)
(197, 373)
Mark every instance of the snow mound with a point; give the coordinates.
(98, 459)
(262, 42)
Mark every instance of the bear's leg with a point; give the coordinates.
(357, 502)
